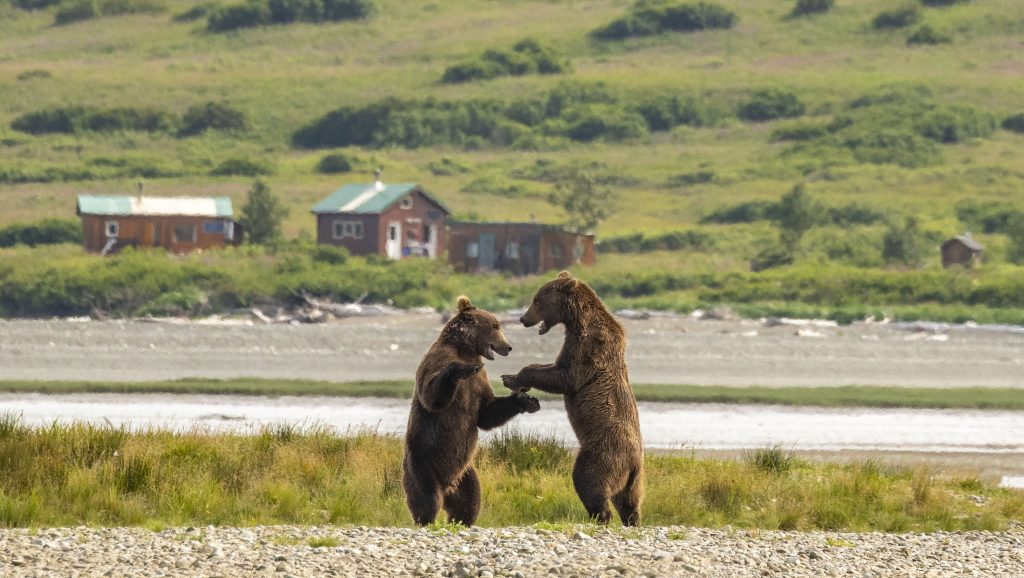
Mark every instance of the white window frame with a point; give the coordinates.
(405, 203)
(112, 228)
(512, 250)
(473, 250)
(195, 233)
(342, 229)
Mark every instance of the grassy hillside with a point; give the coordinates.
(939, 146)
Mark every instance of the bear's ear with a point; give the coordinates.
(565, 275)
(463, 304)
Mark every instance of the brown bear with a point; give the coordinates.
(590, 372)
(453, 398)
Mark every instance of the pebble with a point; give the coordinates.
(505, 552)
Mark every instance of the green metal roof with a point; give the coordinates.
(369, 198)
(153, 206)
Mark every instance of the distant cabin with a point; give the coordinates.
(178, 224)
(961, 250)
(400, 220)
(517, 248)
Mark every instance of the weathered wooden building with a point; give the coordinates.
(178, 224)
(398, 220)
(961, 250)
(518, 248)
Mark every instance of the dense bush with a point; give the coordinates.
(197, 12)
(903, 243)
(34, 74)
(649, 17)
(45, 232)
(333, 164)
(928, 35)
(212, 116)
(79, 119)
(252, 13)
(78, 10)
(800, 131)
(671, 241)
(1014, 123)
(241, 167)
(854, 214)
(804, 7)
(897, 17)
(771, 104)
(900, 126)
(570, 111)
(746, 212)
(528, 56)
(943, 2)
(988, 217)
(35, 4)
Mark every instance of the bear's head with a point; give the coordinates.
(475, 331)
(553, 302)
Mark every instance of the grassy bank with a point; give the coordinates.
(82, 474)
(846, 396)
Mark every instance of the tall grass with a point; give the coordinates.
(75, 474)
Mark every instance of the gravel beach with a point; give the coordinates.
(657, 551)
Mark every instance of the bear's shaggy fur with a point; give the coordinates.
(590, 372)
(453, 398)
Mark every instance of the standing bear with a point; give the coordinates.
(590, 372)
(453, 398)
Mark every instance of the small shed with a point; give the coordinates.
(400, 220)
(961, 250)
(518, 248)
(179, 224)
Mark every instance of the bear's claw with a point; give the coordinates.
(529, 403)
(509, 381)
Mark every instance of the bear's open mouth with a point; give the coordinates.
(544, 327)
(488, 353)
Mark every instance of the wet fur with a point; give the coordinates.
(453, 399)
(590, 372)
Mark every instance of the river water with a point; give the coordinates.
(664, 425)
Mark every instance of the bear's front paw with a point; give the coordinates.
(510, 382)
(528, 403)
(462, 370)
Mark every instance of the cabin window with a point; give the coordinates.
(406, 203)
(112, 228)
(512, 250)
(428, 234)
(229, 231)
(473, 250)
(213, 227)
(185, 233)
(348, 229)
(433, 215)
(555, 250)
(393, 232)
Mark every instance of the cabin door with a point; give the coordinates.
(393, 244)
(488, 255)
(430, 240)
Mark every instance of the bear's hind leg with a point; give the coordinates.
(463, 505)
(422, 494)
(627, 501)
(591, 488)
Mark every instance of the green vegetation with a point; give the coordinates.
(252, 13)
(805, 7)
(262, 215)
(770, 105)
(654, 118)
(71, 11)
(649, 17)
(1007, 399)
(528, 56)
(928, 35)
(82, 474)
(46, 232)
(898, 17)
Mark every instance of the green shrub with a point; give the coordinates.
(1014, 123)
(928, 35)
(897, 18)
(694, 178)
(79, 119)
(746, 212)
(528, 56)
(253, 13)
(333, 164)
(903, 243)
(212, 116)
(854, 214)
(805, 7)
(666, 112)
(241, 167)
(45, 232)
(654, 17)
(990, 217)
(772, 460)
(934, 3)
(953, 124)
(880, 146)
(669, 241)
(77, 10)
(800, 131)
(35, 4)
(771, 104)
(34, 74)
(197, 12)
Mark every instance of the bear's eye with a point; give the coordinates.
(497, 326)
